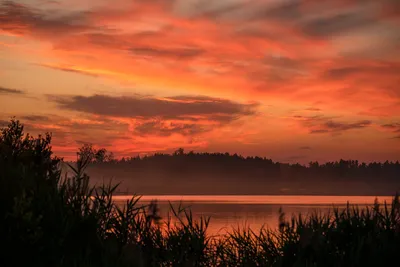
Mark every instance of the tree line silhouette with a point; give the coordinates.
(251, 166)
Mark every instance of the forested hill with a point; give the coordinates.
(223, 173)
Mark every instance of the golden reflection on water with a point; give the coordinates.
(262, 199)
(252, 211)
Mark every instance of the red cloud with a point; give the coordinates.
(341, 58)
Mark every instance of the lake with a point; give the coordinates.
(227, 211)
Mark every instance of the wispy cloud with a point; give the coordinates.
(142, 106)
(175, 53)
(5, 91)
(35, 118)
(184, 115)
(320, 124)
(394, 128)
(313, 109)
(162, 128)
(68, 69)
(21, 19)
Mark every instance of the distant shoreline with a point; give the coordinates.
(314, 195)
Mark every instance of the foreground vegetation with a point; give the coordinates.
(49, 220)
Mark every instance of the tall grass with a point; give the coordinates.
(49, 220)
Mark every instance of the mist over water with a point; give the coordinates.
(235, 191)
(227, 211)
(220, 174)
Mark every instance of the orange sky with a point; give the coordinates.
(292, 80)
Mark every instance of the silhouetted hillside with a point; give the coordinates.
(223, 173)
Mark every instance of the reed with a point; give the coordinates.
(50, 220)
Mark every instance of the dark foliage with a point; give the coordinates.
(224, 173)
(349, 169)
(49, 220)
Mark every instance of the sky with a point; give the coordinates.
(291, 80)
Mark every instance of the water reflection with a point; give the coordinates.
(253, 211)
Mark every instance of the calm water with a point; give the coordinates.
(252, 211)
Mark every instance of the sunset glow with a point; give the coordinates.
(291, 80)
